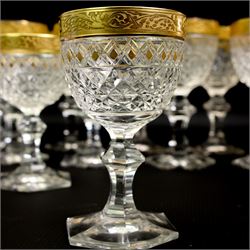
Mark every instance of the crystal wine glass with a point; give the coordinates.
(199, 54)
(12, 151)
(121, 63)
(221, 78)
(240, 52)
(22, 26)
(31, 78)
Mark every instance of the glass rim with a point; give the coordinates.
(121, 20)
(21, 26)
(241, 27)
(224, 32)
(202, 26)
(29, 43)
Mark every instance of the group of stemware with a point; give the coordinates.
(207, 60)
(122, 65)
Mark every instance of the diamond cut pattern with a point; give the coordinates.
(131, 74)
(31, 82)
(222, 75)
(199, 55)
(240, 50)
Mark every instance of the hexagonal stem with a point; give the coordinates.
(122, 160)
(32, 128)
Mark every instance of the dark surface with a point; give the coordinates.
(48, 12)
(210, 207)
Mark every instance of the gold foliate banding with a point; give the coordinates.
(122, 20)
(240, 27)
(22, 26)
(224, 33)
(201, 26)
(25, 43)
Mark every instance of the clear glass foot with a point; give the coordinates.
(243, 162)
(150, 149)
(10, 158)
(188, 162)
(24, 180)
(136, 230)
(12, 153)
(83, 158)
(223, 150)
(64, 146)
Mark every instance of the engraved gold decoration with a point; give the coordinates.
(121, 20)
(22, 26)
(241, 27)
(26, 43)
(224, 33)
(202, 26)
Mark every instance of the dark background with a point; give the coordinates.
(48, 12)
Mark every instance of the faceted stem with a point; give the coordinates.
(93, 137)
(31, 128)
(217, 108)
(122, 160)
(10, 127)
(179, 114)
(216, 134)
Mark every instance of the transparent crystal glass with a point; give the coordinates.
(199, 54)
(70, 113)
(31, 82)
(240, 51)
(221, 78)
(11, 144)
(78, 153)
(122, 82)
(222, 75)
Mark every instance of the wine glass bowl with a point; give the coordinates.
(240, 49)
(41, 86)
(121, 64)
(121, 83)
(222, 75)
(201, 46)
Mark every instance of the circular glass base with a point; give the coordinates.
(83, 158)
(243, 162)
(137, 230)
(2, 145)
(188, 162)
(12, 153)
(10, 158)
(150, 149)
(15, 158)
(24, 180)
(64, 146)
(224, 150)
